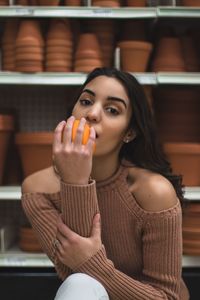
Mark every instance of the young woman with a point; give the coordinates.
(109, 216)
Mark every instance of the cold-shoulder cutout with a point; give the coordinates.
(153, 192)
(43, 181)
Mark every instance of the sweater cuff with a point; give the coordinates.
(79, 205)
(98, 266)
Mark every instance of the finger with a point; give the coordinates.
(91, 140)
(57, 139)
(79, 133)
(96, 227)
(67, 132)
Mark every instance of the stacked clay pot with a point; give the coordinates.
(59, 47)
(88, 53)
(106, 3)
(177, 113)
(185, 161)
(72, 2)
(35, 149)
(168, 56)
(28, 240)
(136, 3)
(6, 128)
(191, 228)
(8, 45)
(134, 55)
(29, 47)
(4, 2)
(190, 54)
(105, 32)
(190, 3)
(48, 2)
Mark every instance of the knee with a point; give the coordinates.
(79, 279)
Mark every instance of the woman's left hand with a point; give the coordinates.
(73, 249)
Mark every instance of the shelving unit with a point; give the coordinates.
(14, 257)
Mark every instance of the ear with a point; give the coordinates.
(130, 135)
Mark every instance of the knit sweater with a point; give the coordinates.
(140, 258)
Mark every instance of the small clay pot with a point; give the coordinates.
(29, 34)
(35, 150)
(136, 3)
(105, 3)
(49, 2)
(134, 55)
(73, 2)
(28, 240)
(185, 160)
(6, 127)
(190, 2)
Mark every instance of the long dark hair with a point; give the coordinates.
(145, 151)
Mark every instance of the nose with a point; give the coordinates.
(93, 114)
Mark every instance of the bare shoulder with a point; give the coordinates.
(153, 192)
(43, 181)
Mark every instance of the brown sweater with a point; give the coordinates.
(141, 254)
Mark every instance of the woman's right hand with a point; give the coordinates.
(72, 159)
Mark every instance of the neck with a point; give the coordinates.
(104, 168)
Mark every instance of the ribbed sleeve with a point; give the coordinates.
(160, 278)
(79, 205)
(43, 217)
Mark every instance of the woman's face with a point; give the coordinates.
(105, 105)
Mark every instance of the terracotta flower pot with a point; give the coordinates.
(35, 150)
(168, 56)
(28, 240)
(185, 160)
(136, 3)
(49, 2)
(6, 127)
(134, 55)
(191, 228)
(29, 34)
(73, 2)
(190, 2)
(105, 3)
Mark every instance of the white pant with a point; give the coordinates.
(80, 286)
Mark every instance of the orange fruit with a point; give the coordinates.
(86, 132)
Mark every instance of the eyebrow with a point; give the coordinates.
(112, 98)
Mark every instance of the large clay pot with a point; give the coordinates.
(136, 3)
(35, 149)
(190, 2)
(73, 2)
(185, 160)
(6, 127)
(191, 228)
(134, 55)
(28, 240)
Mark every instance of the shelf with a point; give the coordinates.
(100, 12)
(14, 193)
(191, 261)
(72, 79)
(178, 78)
(78, 12)
(178, 12)
(47, 78)
(17, 258)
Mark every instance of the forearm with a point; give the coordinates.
(78, 206)
(43, 217)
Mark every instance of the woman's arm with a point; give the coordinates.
(43, 217)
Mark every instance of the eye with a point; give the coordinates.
(85, 102)
(112, 111)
